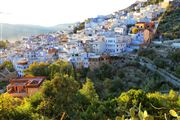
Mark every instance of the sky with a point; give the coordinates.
(53, 12)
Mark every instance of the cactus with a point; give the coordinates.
(174, 114)
(132, 113)
(144, 115)
(120, 118)
(140, 113)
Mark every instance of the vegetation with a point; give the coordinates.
(38, 69)
(149, 53)
(80, 27)
(133, 103)
(134, 30)
(8, 65)
(3, 85)
(150, 2)
(91, 94)
(3, 44)
(169, 26)
(178, 70)
(175, 55)
(109, 92)
(160, 62)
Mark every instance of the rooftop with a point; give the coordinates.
(22, 62)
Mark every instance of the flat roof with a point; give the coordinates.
(27, 81)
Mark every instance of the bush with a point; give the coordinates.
(178, 70)
(160, 62)
(149, 53)
(175, 55)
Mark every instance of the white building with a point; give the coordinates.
(122, 30)
(118, 44)
(98, 46)
(31, 56)
(20, 66)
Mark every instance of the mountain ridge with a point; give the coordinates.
(17, 31)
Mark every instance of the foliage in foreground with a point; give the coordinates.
(62, 93)
(134, 104)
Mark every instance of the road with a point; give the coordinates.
(166, 75)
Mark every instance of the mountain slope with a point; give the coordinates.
(169, 26)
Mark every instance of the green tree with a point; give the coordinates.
(80, 27)
(3, 44)
(89, 91)
(131, 98)
(35, 100)
(160, 62)
(14, 108)
(60, 92)
(38, 69)
(149, 53)
(8, 65)
(61, 67)
(103, 110)
(175, 56)
(178, 70)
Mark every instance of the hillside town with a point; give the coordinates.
(120, 66)
(111, 35)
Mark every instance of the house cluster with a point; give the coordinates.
(111, 35)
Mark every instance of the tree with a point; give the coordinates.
(80, 27)
(175, 56)
(3, 44)
(131, 98)
(178, 70)
(89, 91)
(103, 110)
(60, 67)
(134, 30)
(60, 92)
(160, 62)
(38, 69)
(8, 65)
(14, 108)
(36, 99)
(149, 53)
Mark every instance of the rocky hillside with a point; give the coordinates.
(169, 26)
